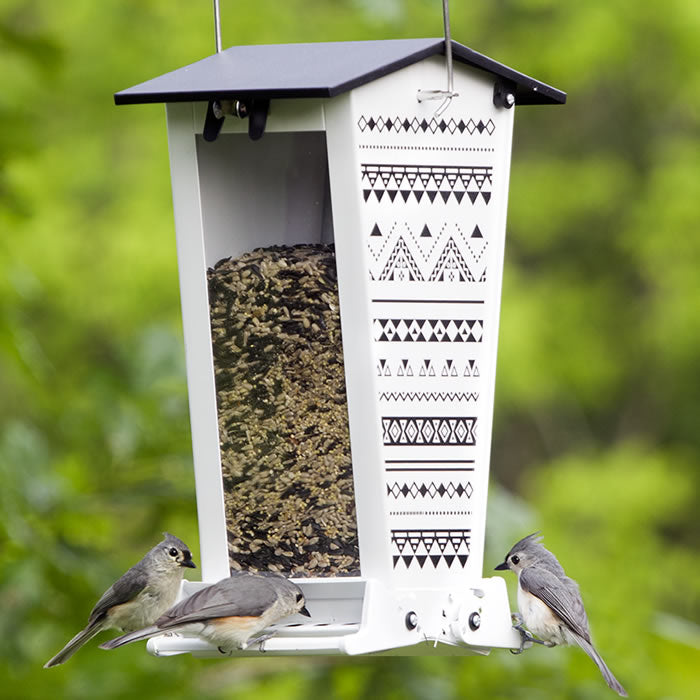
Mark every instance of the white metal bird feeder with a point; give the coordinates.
(340, 143)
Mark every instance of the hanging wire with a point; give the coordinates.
(445, 95)
(217, 26)
(448, 44)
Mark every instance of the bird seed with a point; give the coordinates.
(282, 412)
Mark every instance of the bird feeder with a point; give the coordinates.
(341, 430)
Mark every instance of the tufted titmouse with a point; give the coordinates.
(228, 613)
(138, 598)
(550, 602)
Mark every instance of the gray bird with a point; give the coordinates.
(137, 598)
(550, 603)
(227, 614)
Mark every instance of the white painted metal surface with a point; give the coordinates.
(419, 207)
(194, 300)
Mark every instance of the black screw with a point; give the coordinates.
(474, 621)
(411, 620)
(504, 94)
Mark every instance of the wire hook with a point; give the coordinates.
(445, 95)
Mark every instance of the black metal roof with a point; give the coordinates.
(315, 70)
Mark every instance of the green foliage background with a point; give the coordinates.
(598, 396)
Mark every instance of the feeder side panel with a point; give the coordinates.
(432, 197)
(198, 350)
(355, 318)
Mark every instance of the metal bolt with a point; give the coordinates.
(411, 620)
(474, 621)
(503, 95)
(218, 110)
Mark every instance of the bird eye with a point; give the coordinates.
(173, 552)
(515, 559)
(300, 597)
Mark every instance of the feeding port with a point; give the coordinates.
(278, 358)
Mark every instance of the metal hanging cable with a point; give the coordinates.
(217, 26)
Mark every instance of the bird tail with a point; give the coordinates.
(81, 638)
(607, 673)
(136, 636)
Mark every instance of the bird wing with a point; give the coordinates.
(124, 589)
(564, 601)
(242, 595)
(579, 610)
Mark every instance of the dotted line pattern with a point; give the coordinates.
(427, 148)
(430, 512)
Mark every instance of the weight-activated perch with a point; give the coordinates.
(227, 614)
(138, 598)
(550, 602)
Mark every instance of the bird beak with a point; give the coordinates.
(305, 612)
(188, 563)
(501, 567)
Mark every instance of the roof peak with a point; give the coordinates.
(315, 69)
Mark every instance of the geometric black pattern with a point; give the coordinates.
(451, 266)
(427, 368)
(401, 265)
(443, 254)
(398, 125)
(429, 396)
(446, 430)
(430, 546)
(428, 330)
(480, 249)
(435, 182)
(471, 370)
(432, 489)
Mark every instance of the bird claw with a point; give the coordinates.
(526, 640)
(526, 637)
(260, 641)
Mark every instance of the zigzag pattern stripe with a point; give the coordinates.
(428, 396)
